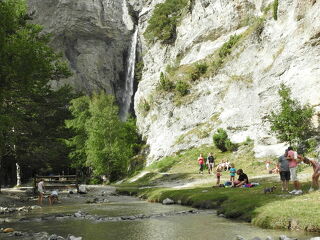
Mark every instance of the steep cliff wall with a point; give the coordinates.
(243, 89)
(94, 37)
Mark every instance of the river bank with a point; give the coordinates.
(275, 211)
(104, 214)
(176, 177)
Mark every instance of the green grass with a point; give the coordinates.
(249, 204)
(277, 210)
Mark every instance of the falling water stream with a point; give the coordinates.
(128, 90)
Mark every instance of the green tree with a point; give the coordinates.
(292, 123)
(27, 102)
(101, 142)
(79, 108)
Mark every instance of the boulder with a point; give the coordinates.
(238, 237)
(167, 201)
(7, 230)
(83, 189)
(71, 237)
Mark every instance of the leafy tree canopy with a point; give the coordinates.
(292, 123)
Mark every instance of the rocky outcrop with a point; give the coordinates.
(244, 90)
(94, 36)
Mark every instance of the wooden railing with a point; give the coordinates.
(56, 182)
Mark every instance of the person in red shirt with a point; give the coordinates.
(201, 163)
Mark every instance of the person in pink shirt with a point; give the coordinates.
(293, 165)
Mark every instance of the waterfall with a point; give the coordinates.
(128, 90)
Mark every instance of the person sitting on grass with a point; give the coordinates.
(316, 173)
(242, 179)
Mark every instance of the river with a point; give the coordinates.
(163, 222)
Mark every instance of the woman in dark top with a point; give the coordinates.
(243, 179)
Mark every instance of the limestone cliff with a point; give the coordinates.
(94, 36)
(236, 94)
(239, 94)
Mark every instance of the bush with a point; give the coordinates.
(182, 88)
(165, 83)
(138, 71)
(220, 139)
(225, 50)
(230, 146)
(275, 9)
(163, 22)
(202, 68)
(199, 69)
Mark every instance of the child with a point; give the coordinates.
(201, 163)
(232, 173)
(219, 169)
(53, 197)
(316, 173)
(40, 191)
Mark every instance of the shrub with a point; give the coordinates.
(165, 83)
(202, 67)
(226, 48)
(144, 107)
(230, 146)
(275, 9)
(163, 22)
(221, 140)
(138, 71)
(198, 70)
(182, 88)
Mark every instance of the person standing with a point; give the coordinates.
(232, 173)
(210, 163)
(201, 163)
(316, 173)
(283, 165)
(40, 191)
(293, 165)
(218, 174)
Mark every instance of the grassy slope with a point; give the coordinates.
(269, 211)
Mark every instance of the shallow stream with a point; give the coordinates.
(201, 225)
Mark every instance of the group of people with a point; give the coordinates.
(288, 164)
(223, 166)
(52, 198)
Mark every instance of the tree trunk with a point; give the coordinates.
(0, 172)
(18, 174)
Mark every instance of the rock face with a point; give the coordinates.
(94, 36)
(242, 92)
